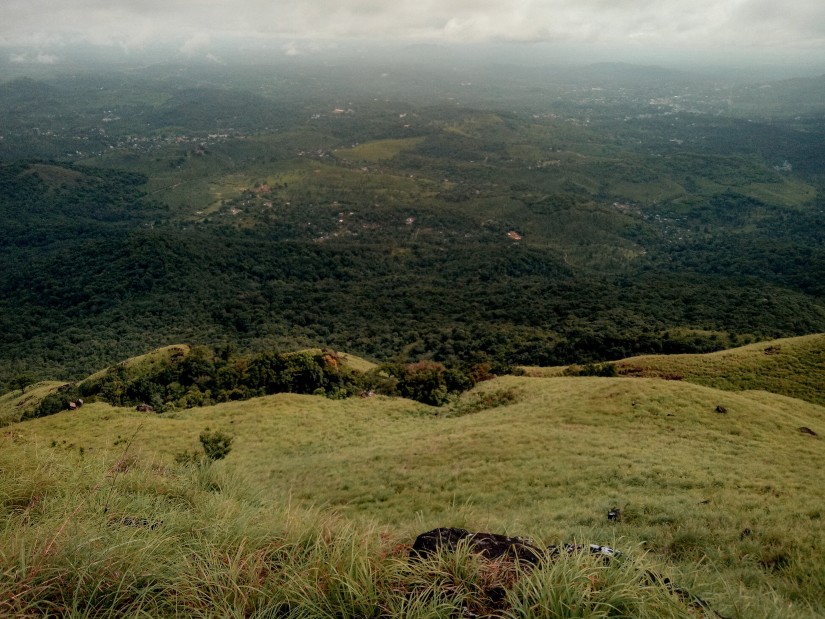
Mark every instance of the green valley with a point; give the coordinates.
(568, 228)
(262, 324)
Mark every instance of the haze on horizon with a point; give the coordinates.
(649, 31)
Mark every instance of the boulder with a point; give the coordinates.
(488, 545)
(492, 546)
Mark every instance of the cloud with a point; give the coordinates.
(46, 58)
(195, 44)
(39, 57)
(291, 49)
(695, 24)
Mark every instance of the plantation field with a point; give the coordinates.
(379, 150)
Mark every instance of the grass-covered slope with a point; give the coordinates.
(122, 536)
(144, 364)
(739, 492)
(792, 366)
(22, 403)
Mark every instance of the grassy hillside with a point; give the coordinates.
(20, 403)
(136, 539)
(146, 363)
(143, 364)
(738, 492)
(791, 366)
(354, 362)
(794, 367)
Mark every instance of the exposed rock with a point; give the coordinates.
(145, 408)
(807, 430)
(488, 545)
(492, 546)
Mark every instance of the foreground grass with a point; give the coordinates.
(723, 501)
(125, 536)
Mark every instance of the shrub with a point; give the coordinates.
(427, 381)
(55, 402)
(592, 369)
(485, 400)
(216, 444)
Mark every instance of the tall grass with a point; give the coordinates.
(196, 541)
(730, 504)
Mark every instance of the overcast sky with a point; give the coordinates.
(783, 27)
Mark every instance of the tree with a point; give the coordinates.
(21, 381)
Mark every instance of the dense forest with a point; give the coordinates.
(554, 223)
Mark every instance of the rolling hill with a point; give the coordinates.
(794, 367)
(719, 488)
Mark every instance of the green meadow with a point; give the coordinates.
(728, 504)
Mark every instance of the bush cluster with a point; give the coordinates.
(204, 377)
(55, 402)
(592, 369)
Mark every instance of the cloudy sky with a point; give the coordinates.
(763, 26)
